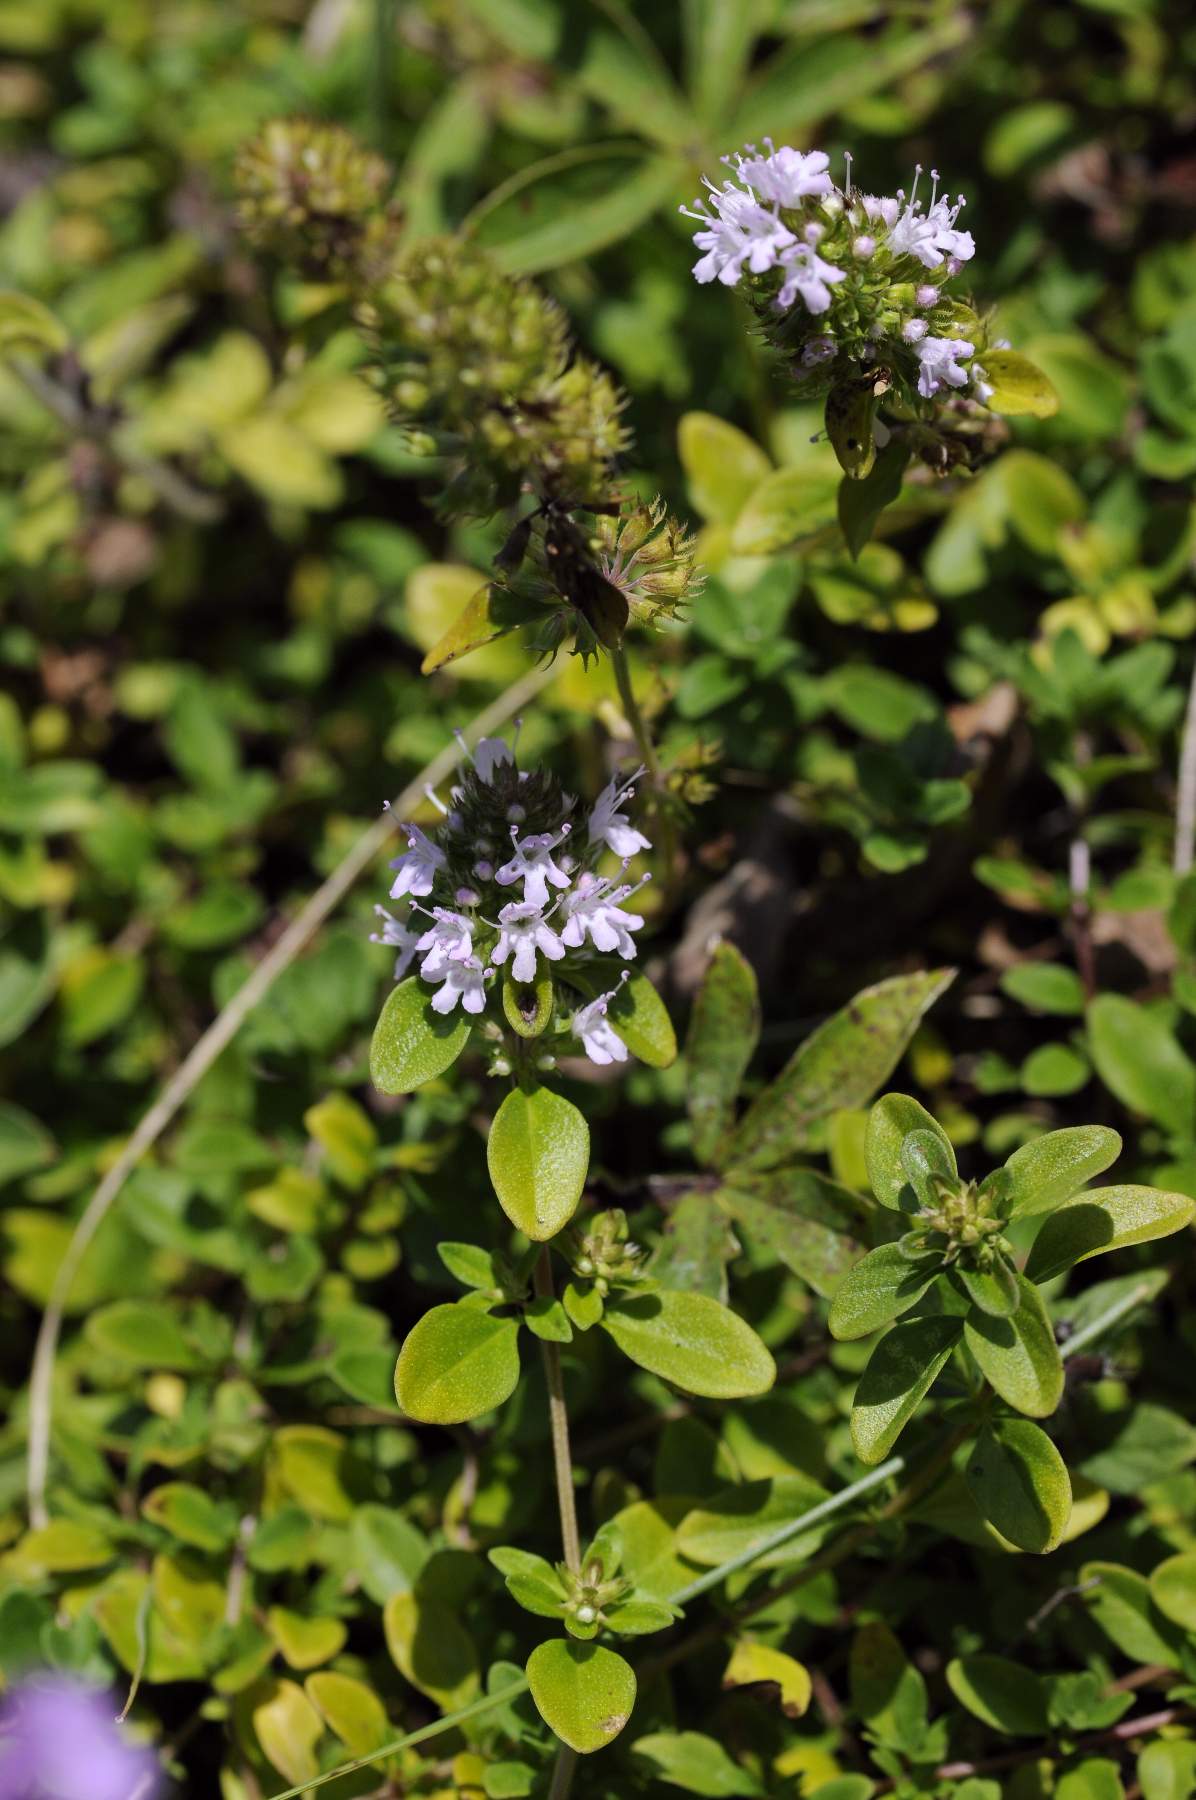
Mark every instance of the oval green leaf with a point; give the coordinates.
(1019, 386)
(411, 1043)
(1173, 1588)
(1003, 1694)
(583, 1692)
(640, 1017)
(1018, 1356)
(899, 1374)
(1051, 1168)
(889, 1124)
(882, 1286)
(538, 1153)
(724, 1028)
(1020, 1484)
(1105, 1219)
(455, 1364)
(692, 1341)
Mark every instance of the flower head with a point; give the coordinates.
(60, 1741)
(546, 915)
(851, 288)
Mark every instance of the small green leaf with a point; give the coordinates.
(724, 1028)
(25, 1144)
(538, 1153)
(145, 1333)
(1173, 1588)
(350, 1709)
(722, 465)
(455, 1364)
(527, 1005)
(1003, 1694)
(889, 1124)
(992, 1290)
(431, 1647)
(861, 501)
(1018, 1355)
(1051, 1168)
(1167, 1769)
(303, 1642)
(815, 1226)
(638, 1618)
(1019, 1482)
(1140, 1058)
(692, 1341)
(752, 1663)
(788, 506)
(924, 1156)
(1018, 385)
(640, 1017)
(1122, 1603)
(25, 324)
(899, 1374)
(695, 1763)
(488, 614)
(840, 1065)
(191, 1515)
(882, 1286)
(411, 1043)
(734, 1520)
(1104, 1219)
(583, 1692)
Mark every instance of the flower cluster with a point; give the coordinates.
(849, 285)
(313, 196)
(510, 914)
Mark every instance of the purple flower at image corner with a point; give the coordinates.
(60, 1740)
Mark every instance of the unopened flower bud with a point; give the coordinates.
(864, 246)
(926, 294)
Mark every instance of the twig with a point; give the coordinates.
(204, 1053)
(173, 489)
(558, 1415)
(1185, 806)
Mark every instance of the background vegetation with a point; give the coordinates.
(960, 750)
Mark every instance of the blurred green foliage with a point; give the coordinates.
(220, 573)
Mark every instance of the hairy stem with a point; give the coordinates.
(661, 815)
(204, 1053)
(558, 1417)
(1185, 809)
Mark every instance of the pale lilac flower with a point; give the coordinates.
(914, 329)
(882, 209)
(740, 230)
(417, 868)
(939, 360)
(449, 939)
(930, 236)
(396, 933)
(488, 753)
(611, 827)
(594, 909)
(534, 865)
(927, 294)
(981, 386)
(523, 932)
(818, 350)
(807, 274)
(599, 1039)
(60, 1741)
(863, 246)
(463, 981)
(786, 176)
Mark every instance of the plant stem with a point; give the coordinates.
(647, 749)
(1185, 809)
(558, 1418)
(204, 1053)
(562, 1774)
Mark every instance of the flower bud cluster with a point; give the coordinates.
(604, 1253)
(311, 195)
(475, 365)
(509, 917)
(845, 283)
